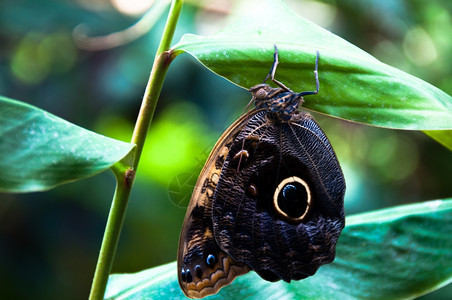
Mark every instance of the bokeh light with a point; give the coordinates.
(132, 7)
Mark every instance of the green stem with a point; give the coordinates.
(125, 176)
(162, 61)
(110, 240)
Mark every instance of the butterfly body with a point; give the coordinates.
(269, 199)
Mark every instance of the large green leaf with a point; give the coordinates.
(353, 84)
(395, 253)
(39, 150)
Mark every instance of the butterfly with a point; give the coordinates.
(270, 197)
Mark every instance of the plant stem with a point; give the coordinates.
(162, 61)
(125, 177)
(110, 240)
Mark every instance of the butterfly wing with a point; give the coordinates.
(202, 267)
(278, 204)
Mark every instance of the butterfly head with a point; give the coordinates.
(281, 104)
(261, 91)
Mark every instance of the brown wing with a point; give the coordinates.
(203, 268)
(278, 205)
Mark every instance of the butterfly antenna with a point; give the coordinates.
(316, 74)
(274, 65)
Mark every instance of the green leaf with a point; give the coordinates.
(39, 151)
(396, 253)
(353, 84)
(444, 137)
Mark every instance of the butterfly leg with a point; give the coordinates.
(316, 74)
(273, 68)
(272, 72)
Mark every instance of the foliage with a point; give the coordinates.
(40, 150)
(354, 85)
(396, 253)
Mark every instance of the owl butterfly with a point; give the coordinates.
(269, 198)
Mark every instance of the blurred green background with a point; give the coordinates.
(49, 241)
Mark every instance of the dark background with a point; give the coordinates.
(49, 241)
